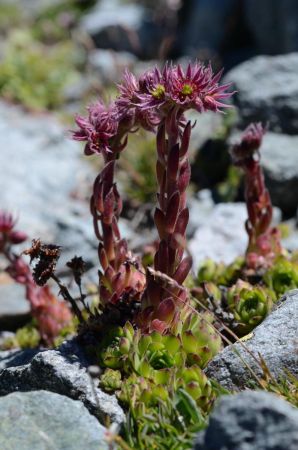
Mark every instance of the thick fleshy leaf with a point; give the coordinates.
(185, 139)
(182, 222)
(161, 376)
(161, 143)
(173, 162)
(161, 259)
(183, 269)
(160, 222)
(108, 211)
(189, 342)
(103, 257)
(166, 310)
(172, 344)
(184, 176)
(172, 212)
(160, 172)
(158, 325)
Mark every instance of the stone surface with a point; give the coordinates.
(279, 159)
(220, 233)
(275, 339)
(63, 371)
(267, 91)
(41, 170)
(114, 25)
(14, 308)
(110, 65)
(280, 163)
(43, 420)
(251, 421)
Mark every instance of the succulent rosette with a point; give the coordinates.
(249, 304)
(282, 276)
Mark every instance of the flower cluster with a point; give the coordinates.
(264, 240)
(194, 88)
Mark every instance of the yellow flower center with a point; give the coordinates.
(158, 92)
(187, 89)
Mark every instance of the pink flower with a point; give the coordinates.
(128, 108)
(97, 129)
(198, 88)
(195, 88)
(153, 88)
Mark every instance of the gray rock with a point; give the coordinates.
(14, 309)
(280, 163)
(274, 15)
(267, 91)
(14, 358)
(42, 172)
(110, 65)
(43, 420)
(220, 233)
(114, 25)
(62, 370)
(275, 339)
(251, 421)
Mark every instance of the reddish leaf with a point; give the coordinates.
(183, 270)
(172, 212)
(173, 162)
(166, 310)
(185, 139)
(184, 176)
(160, 223)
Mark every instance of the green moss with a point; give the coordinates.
(34, 74)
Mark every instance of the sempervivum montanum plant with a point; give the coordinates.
(167, 341)
(51, 315)
(249, 304)
(156, 102)
(264, 240)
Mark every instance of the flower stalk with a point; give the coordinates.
(264, 240)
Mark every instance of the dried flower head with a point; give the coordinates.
(47, 257)
(78, 267)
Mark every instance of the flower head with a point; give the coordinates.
(128, 101)
(249, 144)
(97, 129)
(198, 88)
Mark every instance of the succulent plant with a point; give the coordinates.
(158, 385)
(220, 273)
(249, 304)
(282, 276)
(264, 240)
